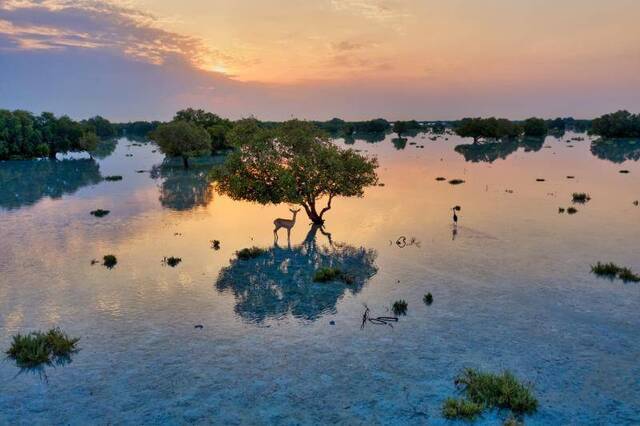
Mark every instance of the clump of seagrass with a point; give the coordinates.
(488, 391)
(327, 274)
(109, 261)
(611, 270)
(171, 261)
(37, 348)
(399, 307)
(250, 253)
(100, 213)
(580, 197)
(427, 299)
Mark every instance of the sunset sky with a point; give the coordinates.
(356, 59)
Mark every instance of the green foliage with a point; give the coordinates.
(620, 124)
(182, 139)
(460, 408)
(293, 163)
(250, 253)
(399, 307)
(24, 135)
(572, 210)
(113, 178)
(456, 181)
(627, 275)
(487, 128)
(100, 213)
(36, 348)
(580, 197)
(378, 125)
(503, 391)
(326, 274)
(136, 129)
(101, 127)
(611, 270)
(535, 127)
(428, 299)
(88, 142)
(216, 127)
(109, 261)
(400, 128)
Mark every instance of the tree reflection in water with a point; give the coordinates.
(184, 189)
(616, 150)
(25, 182)
(280, 282)
(488, 152)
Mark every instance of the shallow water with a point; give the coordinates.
(512, 290)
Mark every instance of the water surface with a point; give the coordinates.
(512, 288)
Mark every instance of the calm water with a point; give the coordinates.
(512, 289)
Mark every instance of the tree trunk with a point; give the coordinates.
(185, 162)
(310, 208)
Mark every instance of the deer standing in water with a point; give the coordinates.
(285, 223)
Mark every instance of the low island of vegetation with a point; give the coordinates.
(37, 348)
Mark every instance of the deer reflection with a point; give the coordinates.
(280, 282)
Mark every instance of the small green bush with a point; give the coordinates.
(560, 209)
(100, 213)
(456, 181)
(440, 178)
(326, 274)
(627, 275)
(109, 261)
(250, 253)
(611, 270)
(113, 178)
(428, 299)
(399, 307)
(580, 197)
(605, 269)
(572, 210)
(36, 348)
(460, 409)
(502, 391)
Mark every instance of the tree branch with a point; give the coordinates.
(324, 210)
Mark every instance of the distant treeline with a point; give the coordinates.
(25, 135)
(502, 128)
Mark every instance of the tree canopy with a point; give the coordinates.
(621, 124)
(215, 126)
(24, 135)
(293, 163)
(487, 128)
(182, 139)
(535, 127)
